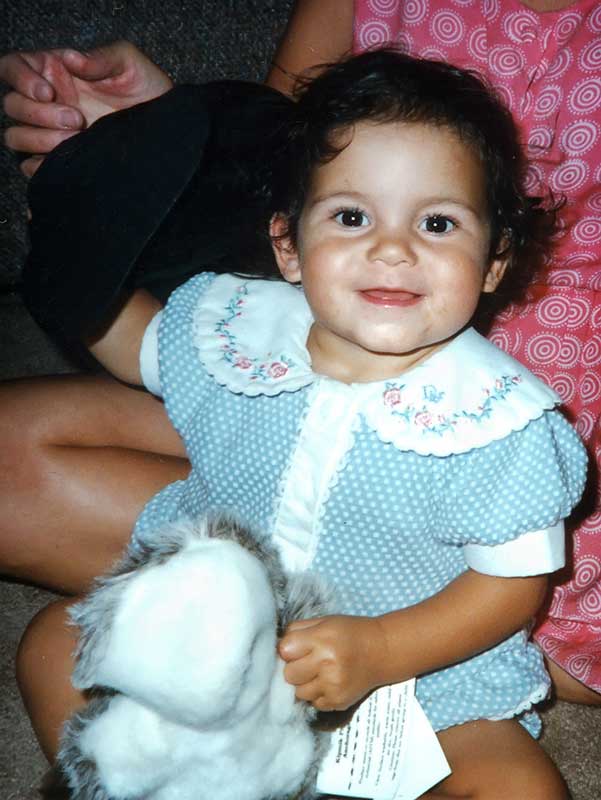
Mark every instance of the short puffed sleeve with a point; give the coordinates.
(526, 482)
(182, 377)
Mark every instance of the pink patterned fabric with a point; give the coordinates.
(547, 67)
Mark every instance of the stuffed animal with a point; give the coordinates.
(188, 699)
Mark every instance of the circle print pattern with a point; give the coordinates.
(506, 61)
(553, 311)
(587, 231)
(585, 97)
(590, 387)
(580, 666)
(404, 42)
(504, 340)
(579, 312)
(569, 351)
(521, 27)
(594, 20)
(587, 572)
(579, 137)
(595, 285)
(560, 64)
(565, 386)
(477, 43)
(566, 26)
(590, 57)
(385, 8)
(534, 179)
(569, 176)
(585, 425)
(591, 352)
(540, 139)
(373, 34)
(590, 603)
(490, 9)
(433, 53)
(447, 27)
(565, 277)
(544, 348)
(594, 202)
(414, 11)
(548, 101)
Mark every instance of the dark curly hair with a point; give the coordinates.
(386, 85)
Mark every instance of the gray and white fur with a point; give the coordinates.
(177, 649)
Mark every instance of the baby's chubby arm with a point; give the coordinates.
(335, 661)
(117, 346)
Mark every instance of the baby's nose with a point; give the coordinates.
(393, 248)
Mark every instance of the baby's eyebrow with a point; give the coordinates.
(452, 201)
(349, 196)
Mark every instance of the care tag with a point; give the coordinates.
(388, 750)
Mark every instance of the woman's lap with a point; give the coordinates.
(81, 456)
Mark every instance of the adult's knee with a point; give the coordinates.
(24, 468)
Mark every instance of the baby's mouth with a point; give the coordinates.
(390, 297)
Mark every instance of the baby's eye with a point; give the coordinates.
(437, 223)
(351, 218)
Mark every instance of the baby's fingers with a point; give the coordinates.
(300, 672)
(320, 697)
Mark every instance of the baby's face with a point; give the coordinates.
(392, 249)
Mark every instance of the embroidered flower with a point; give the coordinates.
(277, 369)
(430, 422)
(230, 348)
(424, 419)
(392, 396)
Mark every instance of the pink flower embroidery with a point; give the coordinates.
(424, 419)
(392, 397)
(243, 363)
(277, 369)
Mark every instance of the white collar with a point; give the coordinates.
(251, 338)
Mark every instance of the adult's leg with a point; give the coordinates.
(44, 667)
(80, 456)
(496, 761)
(569, 689)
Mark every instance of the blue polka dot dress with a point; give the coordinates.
(390, 490)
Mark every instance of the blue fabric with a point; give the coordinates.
(394, 524)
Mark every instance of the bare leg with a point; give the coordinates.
(497, 761)
(79, 458)
(44, 667)
(569, 689)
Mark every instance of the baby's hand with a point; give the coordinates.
(333, 661)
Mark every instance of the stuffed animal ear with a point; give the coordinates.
(192, 637)
(94, 617)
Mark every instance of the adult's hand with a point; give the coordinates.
(57, 93)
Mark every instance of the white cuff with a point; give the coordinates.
(149, 356)
(532, 553)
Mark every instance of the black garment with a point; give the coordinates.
(151, 195)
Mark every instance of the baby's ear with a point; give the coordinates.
(495, 273)
(286, 254)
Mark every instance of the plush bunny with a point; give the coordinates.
(188, 699)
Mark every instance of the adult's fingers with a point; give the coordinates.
(43, 115)
(39, 141)
(108, 61)
(29, 167)
(22, 72)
